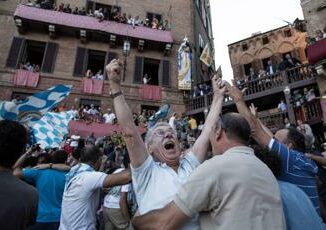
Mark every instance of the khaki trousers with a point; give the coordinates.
(114, 220)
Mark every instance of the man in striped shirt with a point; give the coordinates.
(290, 145)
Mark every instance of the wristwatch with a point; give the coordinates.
(114, 95)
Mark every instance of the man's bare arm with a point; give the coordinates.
(117, 179)
(257, 130)
(123, 202)
(167, 218)
(318, 159)
(135, 145)
(201, 145)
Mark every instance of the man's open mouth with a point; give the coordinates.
(169, 145)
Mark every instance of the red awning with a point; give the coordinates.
(26, 78)
(85, 129)
(91, 23)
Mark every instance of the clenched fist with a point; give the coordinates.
(113, 70)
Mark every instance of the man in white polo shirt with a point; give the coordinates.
(157, 170)
(232, 190)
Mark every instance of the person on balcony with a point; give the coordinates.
(155, 23)
(92, 110)
(196, 92)
(282, 106)
(76, 11)
(146, 79)
(99, 14)
(137, 21)
(123, 18)
(61, 7)
(82, 11)
(130, 20)
(289, 62)
(98, 75)
(271, 68)
(109, 117)
(67, 9)
(89, 74)
(252, 74)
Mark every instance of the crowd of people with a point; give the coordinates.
(288, 62)
(30, 67)
(104, 14)
(99, 75)
(236, 174)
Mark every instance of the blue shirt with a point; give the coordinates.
(298, 169)
(298, 209)
(50, 184)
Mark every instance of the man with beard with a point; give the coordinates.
(157, 169)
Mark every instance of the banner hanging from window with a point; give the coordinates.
(184, 65)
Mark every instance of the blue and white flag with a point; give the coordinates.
(52, 128)
(33, 107)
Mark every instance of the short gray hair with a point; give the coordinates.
(150, 131)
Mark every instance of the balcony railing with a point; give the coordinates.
(279, 80)
(310, 112)
(295, 77)
(273, 120)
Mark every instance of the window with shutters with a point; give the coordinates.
(96, 61)
(166, 73)
(138, 73)
(49, 57)
(151, 70)
(89, 61)
(16, 49)
(33, 54)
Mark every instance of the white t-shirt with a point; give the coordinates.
(80, 201)
(112, 199)
(109, 118)
(171, 122)
(156, 184)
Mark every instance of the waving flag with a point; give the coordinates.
(206, 56)
(51, 129)
(33, 107)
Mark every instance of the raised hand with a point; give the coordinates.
(235, 93)
(253, 109)
(113, 70)
(219, 86)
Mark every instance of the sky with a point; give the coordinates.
(234, 20)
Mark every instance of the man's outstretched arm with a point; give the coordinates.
(169, 217)
(260, 133)
(135, 145)
(200, 147)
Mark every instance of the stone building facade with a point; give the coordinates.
(256, 50)
(314, 12)
(69, 48)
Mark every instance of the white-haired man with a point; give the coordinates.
(157, 167)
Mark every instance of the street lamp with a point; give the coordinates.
(125, 52)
